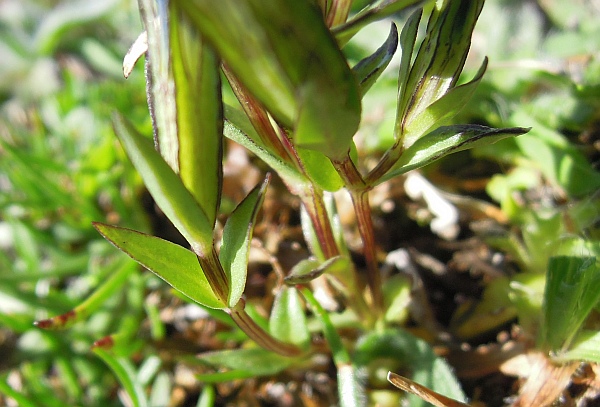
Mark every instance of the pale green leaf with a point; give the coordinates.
(176, 265)
(288, 320)
(572, 291)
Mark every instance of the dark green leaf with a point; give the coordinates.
(166, 188)
(369, 69)
(447, 140)
(237, 235)
(176, 265)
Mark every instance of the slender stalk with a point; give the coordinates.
(312, 199)
(360, 200)
(213, 270)
(338, 12)
(359, 191)
(391, 156)
(259, 335)
(258, 116)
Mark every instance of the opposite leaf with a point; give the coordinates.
(166, 188)
(237, 235)
(173, 263)
(369, 69)
(447, 140)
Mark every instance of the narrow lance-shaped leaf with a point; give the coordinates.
(160, 88)
(195, 71)
(125, 372)
(441, 57)
(174, 264)
(106, 290)
(237, 235)
(239, 129)
(370, 68)
(166, 188)
(439, 112)
(447, 140)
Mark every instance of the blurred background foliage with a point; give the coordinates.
(61, 168)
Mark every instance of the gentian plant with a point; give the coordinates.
(299, 110)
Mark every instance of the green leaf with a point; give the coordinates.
(196, 76)
(351, 390)
(255, 361)
(239, 129)
(559, 160)
(370, 68)
(174, 264)
(440, 58)
(125, 372)
(572, 291)
(237, 235)
(288, 320)
(105, 290)
(301, 77)
(586, 346)
(443, 109)
(67, 16)
(160, 86)
(166, 188)
(447, 140)
(415, 356)
(320, 169)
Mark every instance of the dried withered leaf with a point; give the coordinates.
(421, 391)
(545, 382)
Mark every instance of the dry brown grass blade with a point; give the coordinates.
(421, 391)
(545, 383)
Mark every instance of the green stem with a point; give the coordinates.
(259, 335)
(359, 191)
